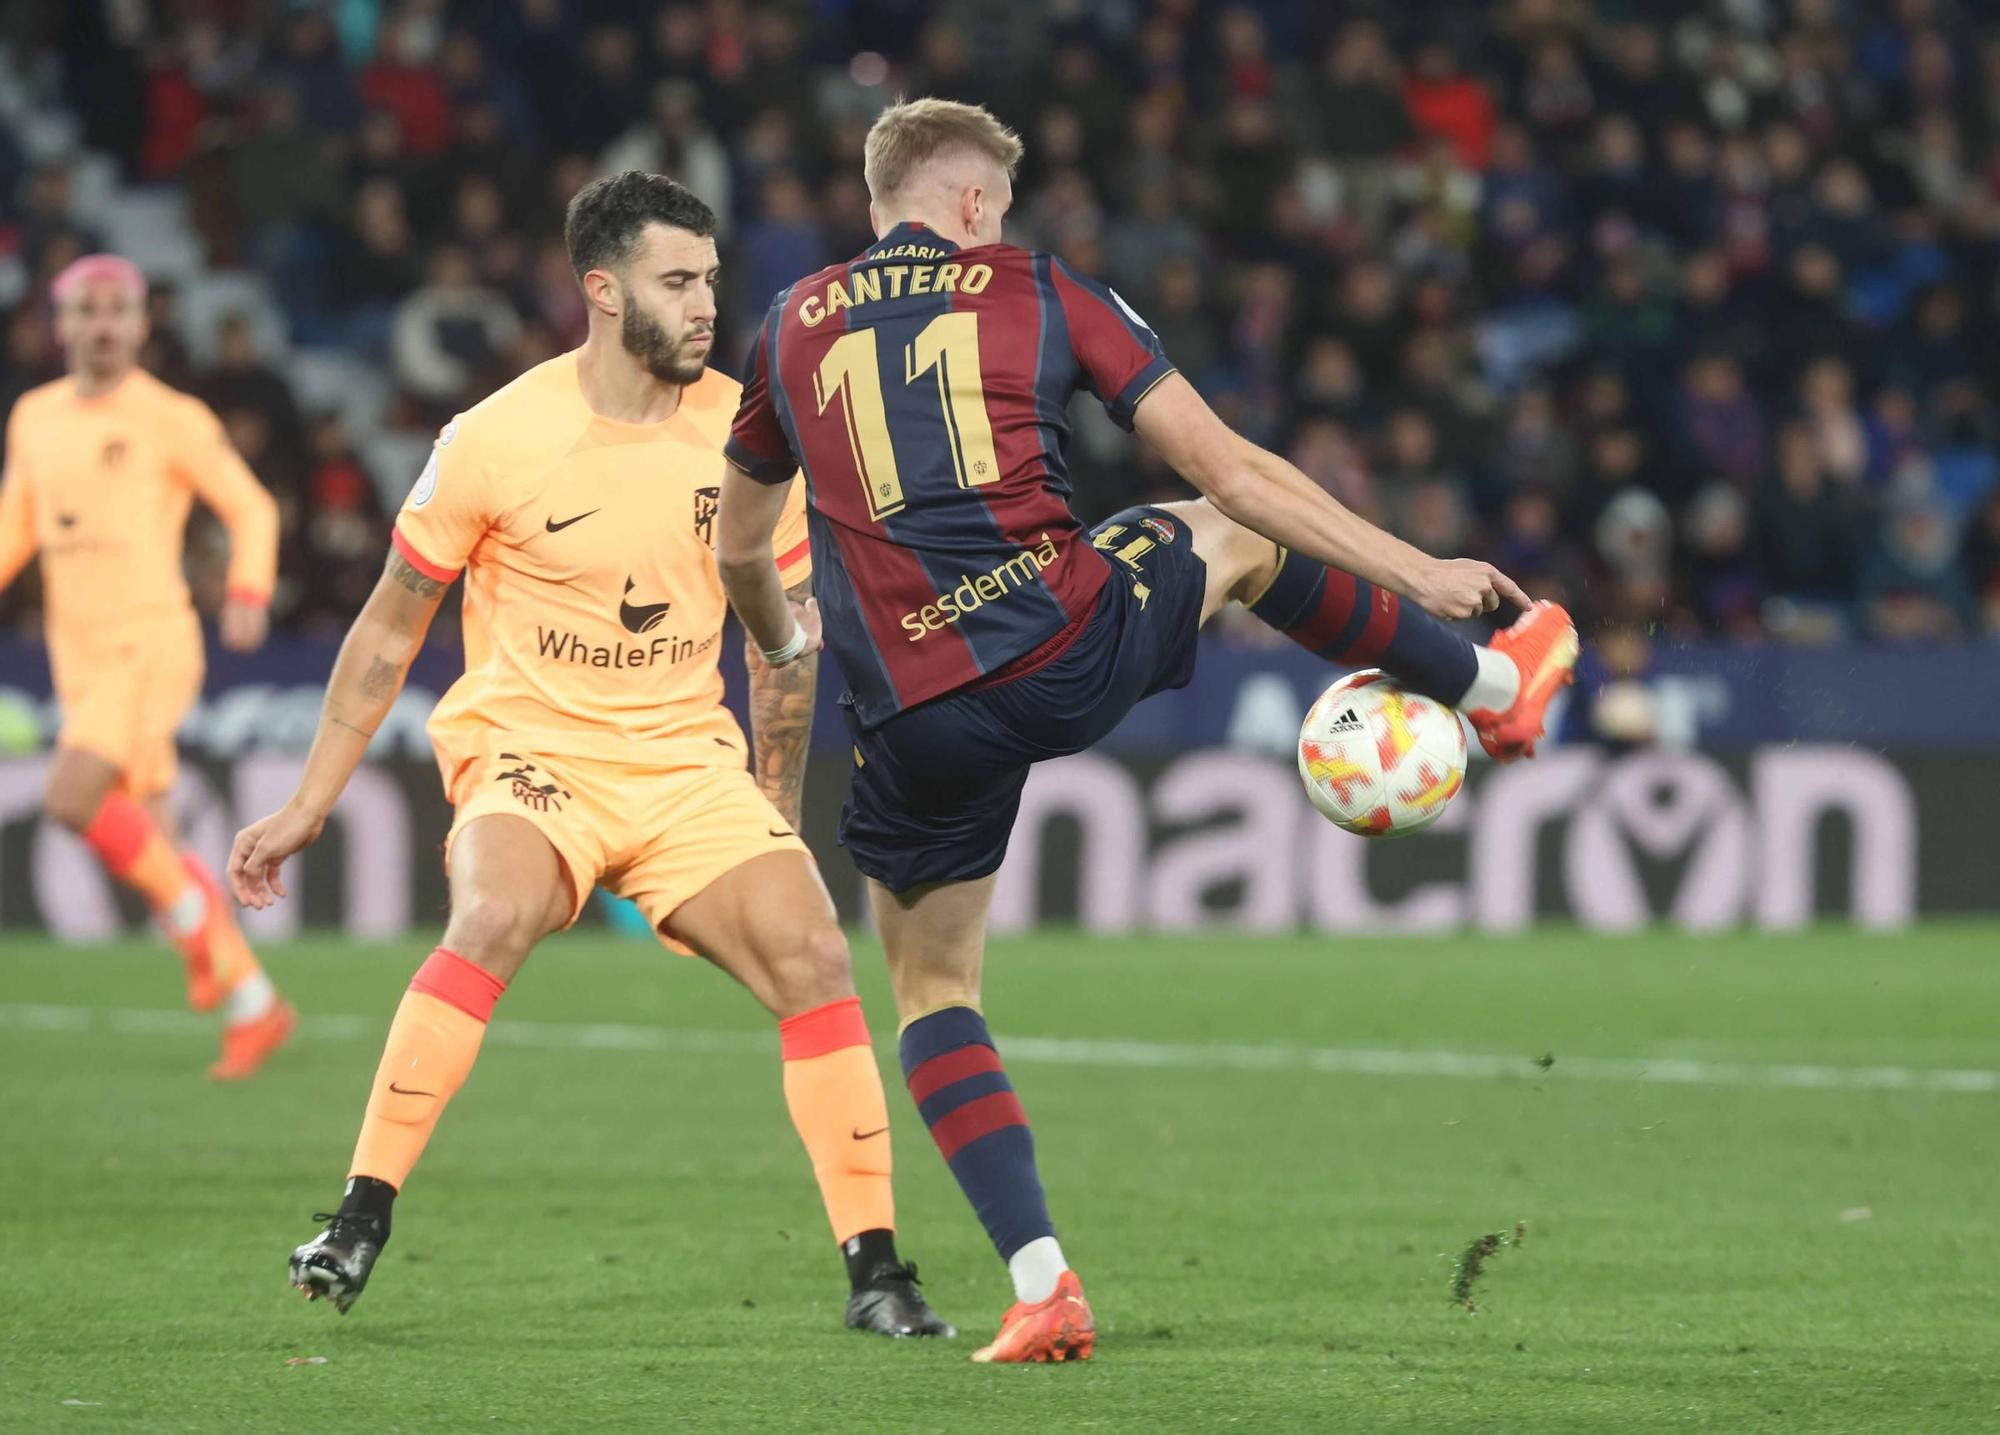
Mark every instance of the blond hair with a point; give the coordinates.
(911, 133)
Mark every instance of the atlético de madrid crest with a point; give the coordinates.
(706, 501)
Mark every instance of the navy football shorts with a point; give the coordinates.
(936, 788)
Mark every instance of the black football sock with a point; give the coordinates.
(366, 1196)
(867, 1253)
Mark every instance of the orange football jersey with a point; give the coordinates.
(593, 610)
(101, 486)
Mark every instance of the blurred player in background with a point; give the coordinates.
(102, 466)
(924, 386)
(587, 741)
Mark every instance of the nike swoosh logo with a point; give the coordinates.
(864, 1135)
(555, 527)
(405, 1091)
(774, 832)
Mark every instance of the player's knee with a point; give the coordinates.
(494, 929)
(72, 804)
(1252, 563)
(816, 969)
(1241, 562)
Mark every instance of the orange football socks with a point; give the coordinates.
(135, 851)
(238, 973)
(186, 901)
(432, 1044)
(834, 1091)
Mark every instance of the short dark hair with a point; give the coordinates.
(607, 216)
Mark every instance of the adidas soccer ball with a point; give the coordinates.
(1379, 760)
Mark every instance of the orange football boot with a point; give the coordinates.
(1544, 646)
(1057, 1329)
(248, 1044)
(204, 990)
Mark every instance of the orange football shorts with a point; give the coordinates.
(655, 835)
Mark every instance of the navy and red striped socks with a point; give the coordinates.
(962, 1092)
(1350, 621)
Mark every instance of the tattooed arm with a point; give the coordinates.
(781, 715)
(366, 678)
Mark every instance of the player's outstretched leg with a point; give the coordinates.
(934, 938)
(769, 923)
(1503, 688)
(508, 890)
(187, 905)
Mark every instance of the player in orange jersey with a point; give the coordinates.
(587, 741)
(102, 466)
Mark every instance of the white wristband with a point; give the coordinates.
(778, 657)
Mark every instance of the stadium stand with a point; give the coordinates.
(1682, 312)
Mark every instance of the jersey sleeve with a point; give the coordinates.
(17, 506)
(757, 442)
(448, 509)
(790, 545)
(1118, 354)
(223, 481)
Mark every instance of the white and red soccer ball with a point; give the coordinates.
(1379, 760)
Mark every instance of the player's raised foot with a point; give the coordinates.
(334, 1264)
(1060, 1328)
(247, 1045)
(1543, 644)
(891, 1302)
(197, 951)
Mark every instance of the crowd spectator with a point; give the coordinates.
(450, 330)
(334, 535)
(241, 380)
(1806, 523)
(1689, 313)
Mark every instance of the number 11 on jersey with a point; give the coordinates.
(948, 346)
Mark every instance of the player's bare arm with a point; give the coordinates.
(367, 676)
(226, 486)
(242, 625)
(17, 528)
(781, 714)
(783, 631)
(1269, 496)
(250, 516)
(18, 542)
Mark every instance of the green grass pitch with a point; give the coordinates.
(615, 1228)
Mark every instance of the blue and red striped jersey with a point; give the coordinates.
(925, 390)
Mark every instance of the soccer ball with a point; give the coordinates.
(1377, 759)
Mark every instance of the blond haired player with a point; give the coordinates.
(923, 387)
(102, 467)
(587, 741)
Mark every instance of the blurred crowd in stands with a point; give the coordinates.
(1686, 311)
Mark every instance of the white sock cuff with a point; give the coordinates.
(1036, 1268)
(187, 914)
(249, 999)
(1496, 684)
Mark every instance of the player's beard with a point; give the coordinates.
(647, 342)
